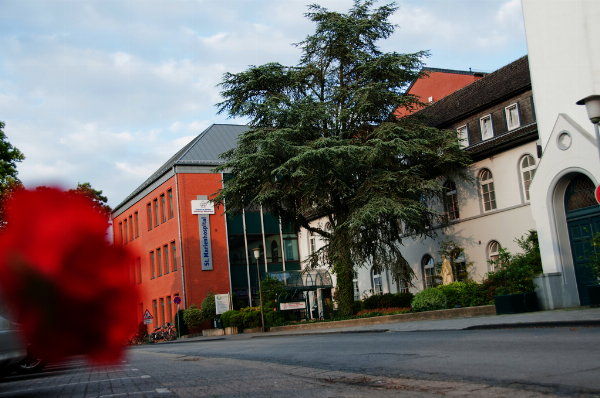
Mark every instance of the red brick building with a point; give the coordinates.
(438, 84)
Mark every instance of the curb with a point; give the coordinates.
(322, 333)
(527, 325)
(173, 342)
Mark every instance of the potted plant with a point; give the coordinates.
(513, 277)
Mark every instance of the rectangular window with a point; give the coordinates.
(125, 222)
(487, 130)
(170, 306)
(174, 258)
(121, 232)
(512, 117)
(170, 191)
(139, 270)
(463, 136)
(149, 206)
(312, 246)
(162, 310)
(159, 262)
(166, 250)
(152, 262)
(377, 284)
(131, 236)
(164, 207)
(156, 212)
(155, 313)
(137, 225)
(356, 291)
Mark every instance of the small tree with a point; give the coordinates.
(209, 308)
(99, 201)
(192, 316)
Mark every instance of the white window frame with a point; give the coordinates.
(312, 244)
(377, 288)
(429, 266)
(484, 136)
(491, 191)
(355, 287)
(493, 255)
(463, 135)
(450, 200)
(531, 169)
(514, 125)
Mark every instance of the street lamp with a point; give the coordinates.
(592, 106)
(257, 256)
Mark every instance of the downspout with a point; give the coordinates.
(180, 242)
(226, 238)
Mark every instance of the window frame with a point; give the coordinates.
(507, 113)
(125, 227)
(173, 250)
(163, 205)
(155, 202)
(492, 254)
(522, 170)
(159, 257)
(428, 265)
(121, 232)
(131, 227)
(152, 264)
(481, 124)
(170, 199)
(355, 287)
(149, 207)
(137, 224)
(491, 192)
(166, 251)
(464, 141)
(451, 197)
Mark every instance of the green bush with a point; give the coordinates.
(357, 307)
(402, 300)
(468, 294)
(233, 319)
(388, 300)
(209, 309)
(252, 319)
(183, 329)
(430, 299)
(272, 318)
(226, 318)
(192, 316)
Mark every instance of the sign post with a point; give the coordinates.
(147, 319)
(221, 303)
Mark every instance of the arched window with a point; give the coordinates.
(494, 253)
(487, 190)
(460, 265)
(377, 285)
(580, 193)
(527, 172)
(427, 264)
(451, 201)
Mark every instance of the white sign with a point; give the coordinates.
(147, 318)
(293, 306)
(222, 303)
(203, 207)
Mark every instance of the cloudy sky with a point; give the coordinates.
(106, 91)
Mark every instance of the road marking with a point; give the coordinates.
(126, 393)
(145, 377)
(163, 390)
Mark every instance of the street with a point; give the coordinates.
(506, 362)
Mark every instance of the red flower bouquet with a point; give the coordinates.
(68, 284)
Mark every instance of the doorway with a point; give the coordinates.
(583, 222)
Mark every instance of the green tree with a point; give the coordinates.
(192, 316)
(9, 183)
(323, 141)
(99, 201)
(209, 308)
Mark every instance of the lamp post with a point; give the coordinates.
(592, 106)
(257, 256)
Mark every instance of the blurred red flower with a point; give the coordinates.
(69, 285)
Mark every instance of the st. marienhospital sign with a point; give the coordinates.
(203, 208)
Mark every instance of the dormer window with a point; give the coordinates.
(487, 129)
(463, 136)
(512, 117)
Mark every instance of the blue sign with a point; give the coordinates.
(177, 300)
(205, 244)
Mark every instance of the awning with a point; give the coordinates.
(303, 280)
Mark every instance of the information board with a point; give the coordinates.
(222, 303)
(292, 306)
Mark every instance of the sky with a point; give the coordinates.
(106, 91)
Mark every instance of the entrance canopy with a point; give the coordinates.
(303, 281)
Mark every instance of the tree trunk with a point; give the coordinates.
(344, 270)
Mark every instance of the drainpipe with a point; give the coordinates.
(180, 242)
(227, 241)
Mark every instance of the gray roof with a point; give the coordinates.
(203, 150)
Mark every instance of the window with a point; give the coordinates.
(121, 232)
(429, 276)
(451, 201)
(163, 207)
(159, 262)
(463, 135)
(460, 267)
(162, 310)
(152, 262)
(131, 228)
(494, 253)
(487, 129)
(355, 287)
(312, 245)
(402, 286)
(170, 306)
(166, 250)
(512, 117)
(170, 191)
(137, 225)
(155, 313)
(173, 254)
(580, 193)
(139, 267)
(125, 222)
(149, 206)
(527, 173)
(156, 212)
(377, 287)
(487, 190)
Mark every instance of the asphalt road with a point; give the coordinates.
(511, 363)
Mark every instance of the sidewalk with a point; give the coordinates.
(577, 316)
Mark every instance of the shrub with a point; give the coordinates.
(226, 318)
(183, 328)
(252, 319)
(403, 300)
(357, 306)
(272, 318)
(383, 311)
(192, 316)
(429, 299)
(468, 294)
(388, 300)
(208, 309)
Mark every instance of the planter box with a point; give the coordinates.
(212, 332)
(255, 330)
(231, 330)
(516, 303)
(594, 292)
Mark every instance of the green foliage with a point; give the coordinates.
(468, 294)
(593, 256)
(272, 318)
(9, 157)
(99, 201)
(252, 319)
(209, 308)
(388, 300)
(357, 307)
(514, 272)
(322, 141)
(236, 303)
(453, 251)
(183, 328)
(430, 299)
(192, 316)
(232, 318)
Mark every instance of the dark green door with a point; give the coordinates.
(583, 221)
